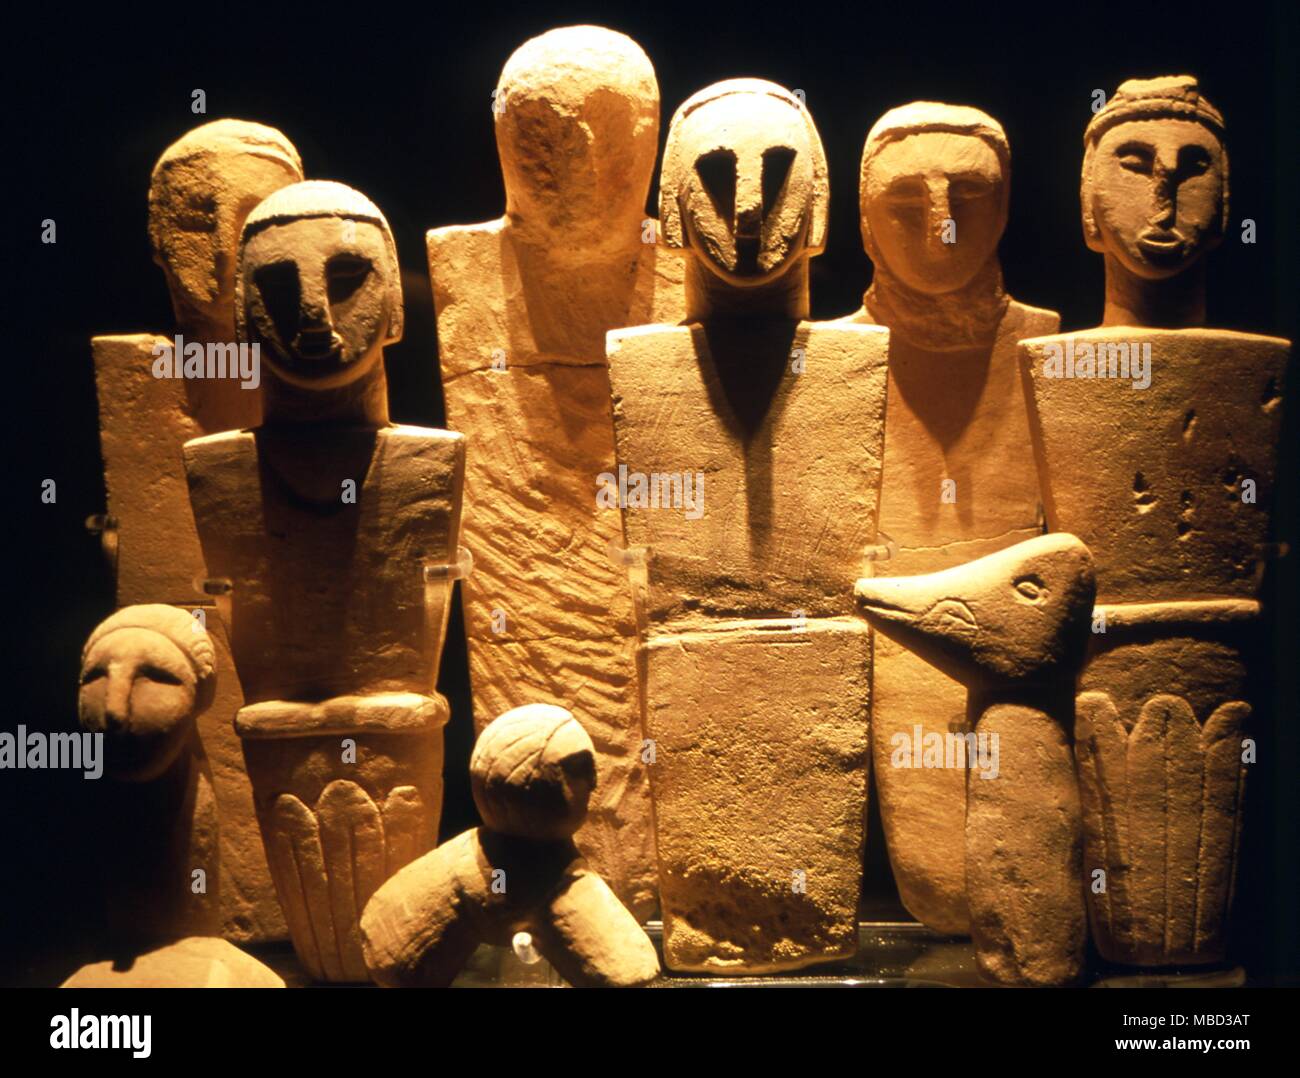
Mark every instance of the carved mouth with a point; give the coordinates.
(1161, 244)
(317, 346)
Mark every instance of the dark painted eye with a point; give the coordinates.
(1193, 161)
(776, 170)
(717, 171)
(344, 274)
(1030, 589)
(279, 288)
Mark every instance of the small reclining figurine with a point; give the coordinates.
(531, 774)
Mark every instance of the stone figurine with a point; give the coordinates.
(958, 479)
(1156, 442)
(332, 533)
(749, 450)
(201, 190)
(147, 673)
(523, 305)
(1011, 627)
(532, 774)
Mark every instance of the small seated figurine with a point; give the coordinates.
(147, 673)
(532, 773)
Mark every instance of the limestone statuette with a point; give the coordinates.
(147, 672)
(334, 533)
(1155, 440)
(958, 480)
(152, 399)
(755, 671)
(532, 774)
(1012, 627)
(523, 305)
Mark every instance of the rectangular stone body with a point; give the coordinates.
(790, 494)
(548, 611)
(325, 553)
(1153, 479)
(143, 423)
(761, 756)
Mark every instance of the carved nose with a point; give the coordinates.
(117, 702)
(749, 221)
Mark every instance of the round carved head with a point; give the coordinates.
(146, 673)
(532, 772)
(319, 286)
(1154, 191)
(577, 127)
(744, 184)
(202, 189)
(933, 194)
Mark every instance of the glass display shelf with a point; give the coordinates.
(891, 954)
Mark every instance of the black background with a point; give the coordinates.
(397, 104)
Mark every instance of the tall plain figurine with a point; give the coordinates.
(749, 448)
(523, 305)
(201, 190)
(333, 535)
(934, 189)
(1156, 443)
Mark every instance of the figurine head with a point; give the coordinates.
(319, 286)
(202, 189)
(1019, 615)
(532, 772)
(1154, 191)
(744, 185)
(933, 194)
(146, 673)
(577, 128)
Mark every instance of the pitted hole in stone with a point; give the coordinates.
(1143, 497)
(1271, 397)
(1189, 424)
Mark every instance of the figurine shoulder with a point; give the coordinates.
(1026, 321)
(454, 248)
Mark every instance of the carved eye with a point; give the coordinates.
(158, 674)
(1030, 589)
(344, 274)
(906, 192)
(717, 171)
(968, 189)
(776, 170)
(1135, 158)
(199, 214)
(94, 674)
(1193, 161)
(280, 291)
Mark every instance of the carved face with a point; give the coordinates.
(198, 208)
(935, 203)
(322, 297)
(138, 689)
(1157, 195)
(747, 196)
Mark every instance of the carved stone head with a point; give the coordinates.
(933, 190)
(319, 286)
(744, 185)
(532, 772)
(577, 127)
(202, 189)
(1154, 191)
(146, 673)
